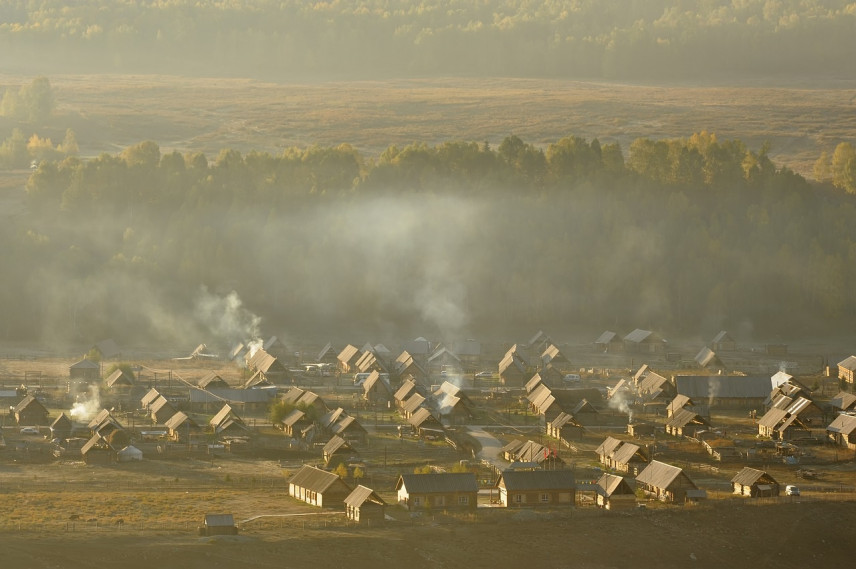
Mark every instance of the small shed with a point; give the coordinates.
(218, 524)
(336, 451)
(365, 507)
(614, 493)
(723, 342)
(119, 379)
(754, 483)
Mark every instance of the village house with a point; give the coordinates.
(707, 359)
(349, 429)
(365, 507)
(227, 422)
(754, 483)
(843, 401)
(62, 427)
(267, 369)
(513, 370)
(161, 410)
(407, 388)
(97, 451)
(318, 487)
(723, 342)
(376, 390)
(846, 369)
(294, 422)
(328, 354)
(608, 342)
(629, 458)
(605, 450)
(438, 491)
(534, 383)
(686, 423)
(565, 428)
(614, 493)
(536, 488)
(410, 406)
(30, 411)
(424, 424)
(665, 482)
(183, 429)
(118, 380)
(725, 391)
(406, 365)
(336, 451)
(469, 352)
(212, 380)
(552, 355)
(85, 369)
(842, 431)
(644, 342)
(443, 360)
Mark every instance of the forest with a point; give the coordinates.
(686, 236)
(633, 39)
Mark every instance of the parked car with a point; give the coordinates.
(791, 490)
(572, 378)
(30, 431)
(484, 374)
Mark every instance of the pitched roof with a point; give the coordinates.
(706, 357)
(422, 416)
(609, 484)
(606, 337)
(30, 401)
(536, 480)
(219, 520)
(335, 444)
(61, 422)
(412, 404)
(772, 418)
(638, 335)
(118, 377)
(438, 482)
(149, 397)
(660, 475)
(362, 494)
(314, 479)
(843, 424)
(293, 395)
(683, 417)
(224, 413)
(292, 418)
(843, 401)
(178, 420)
(848, 363)
(626, 452)
(705, 387)
(533, 383)
(749, 476)
(608, 446)
(85, 364)
(404, 392)
(212, 380)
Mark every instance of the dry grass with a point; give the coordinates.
(109, 112)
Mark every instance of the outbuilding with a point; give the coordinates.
(365, 507)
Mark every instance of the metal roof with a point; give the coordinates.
(438, 482)
(848, 363)
(706, 387)
(661, 475)
(609, 484)
(314, 479)
(606, 337)
(362, 494)
(749, 476)
(536, 480)
(608, 446)
(843, 424)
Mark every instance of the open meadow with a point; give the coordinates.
(110, 112)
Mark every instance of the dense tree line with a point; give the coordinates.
(579, 38)
(460, 239)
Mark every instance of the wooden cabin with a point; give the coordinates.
(365, 507)
(665, 482)
(614, 493)
(754, 483)
(536, 488)
(440, 491)
(318, 487)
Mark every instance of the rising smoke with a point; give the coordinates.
(86, 405)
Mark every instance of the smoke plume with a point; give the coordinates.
(86, 405)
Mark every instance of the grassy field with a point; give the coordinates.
(109, 112)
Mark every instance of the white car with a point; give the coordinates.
(572, 378)
(484, 374)
(791, 490)
(30, 431)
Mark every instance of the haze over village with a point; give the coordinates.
(435, 285)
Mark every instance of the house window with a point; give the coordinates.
(463, 500)
(518, 498)
(417, 501)
(545, 498)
